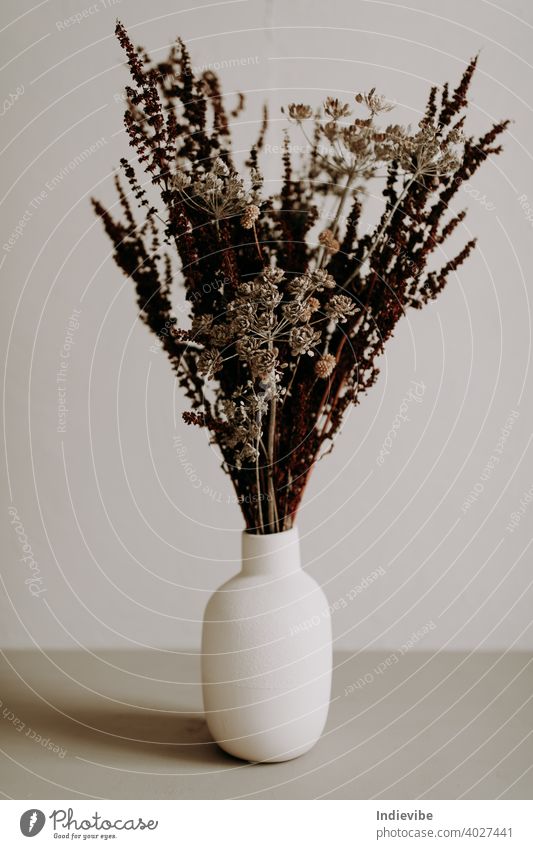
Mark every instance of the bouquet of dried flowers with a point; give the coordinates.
(287, 316)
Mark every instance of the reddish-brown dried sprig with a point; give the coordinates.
(179, 129)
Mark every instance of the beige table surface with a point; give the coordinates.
(129, 725)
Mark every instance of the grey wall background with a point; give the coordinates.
(127, 515)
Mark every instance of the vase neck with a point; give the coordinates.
(271, 554)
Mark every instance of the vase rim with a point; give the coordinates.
(277, 553)
(291, 531)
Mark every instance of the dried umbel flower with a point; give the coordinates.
(220, 168)
(324, 365)
(250, 216)
(241, 323)
(180, 181)
(303, 339)
(322, 279)
(295, 311)
(335, 109)
(263, 363)
(340, 307)
(311, 282)
(427, 153)
(273, 276)
(375, 103)
(284, 333)
(309, 307)
(329, 242)
(247, 347)
(299, 111)
(219, 192)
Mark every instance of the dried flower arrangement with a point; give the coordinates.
(286, 326)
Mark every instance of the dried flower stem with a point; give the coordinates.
(345, 194)
(258, 246)
(259, 492)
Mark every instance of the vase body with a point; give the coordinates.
(266, 654)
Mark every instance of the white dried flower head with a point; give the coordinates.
(322, 280)
(339, 307)
(220, 168)
(273, 275)
(218, 193)
(269, 295)
(301, 285)
(302, 339)
(324, 365)
(250, 216)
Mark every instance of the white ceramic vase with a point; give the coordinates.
(266, 654)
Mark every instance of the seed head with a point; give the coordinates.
(325, 365)
(250, 216)
(329, 242)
